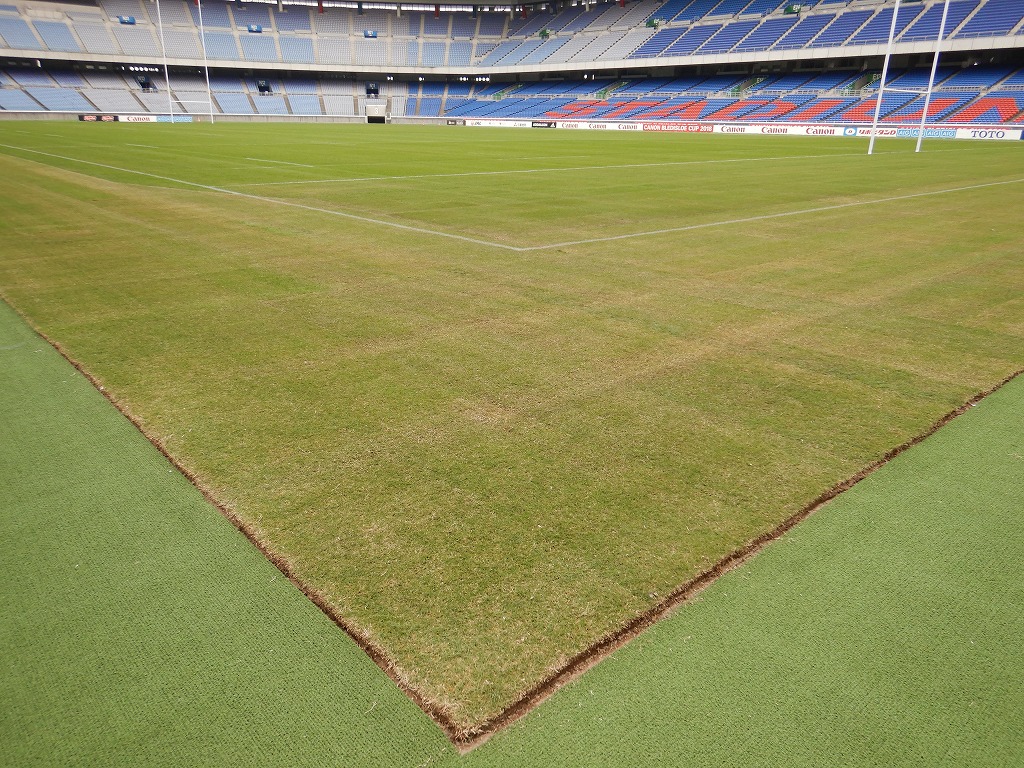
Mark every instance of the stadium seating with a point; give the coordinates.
(601, 33)
(996, 17)
(778, 109)
(296, 50)
(463, 25)
(975, 95)
(214, 14)
(740, 108)
(782, 84)
(820, 110)
(996, 108)
(270, 105)
(256, 47)
(1013, 81)
(939, 108)
(842, 28)
(18, 35)
(766, 35)
(119, 102)
(863, 111)
(251, 15)
(878, 28)
(15, 100)
(31, 77)
(804, 31)
(240, 35)
(57, 36)
(295, 18)
(926, 27)
(693, 39)
(827, 81)
(727, 37)
(234, 103)
(975, 78)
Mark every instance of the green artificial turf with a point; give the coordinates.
(485, 459)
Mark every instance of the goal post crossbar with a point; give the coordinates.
(931, 78)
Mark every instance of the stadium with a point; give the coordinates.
(730, 61)
(538, 384)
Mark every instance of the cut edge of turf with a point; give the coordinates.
(467, 738)
(611, 642)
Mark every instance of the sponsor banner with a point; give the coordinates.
(939, 132)
(907, 132)
(822, 130)
(154, 119)
(489, 123)
(997, 134)
(676, 127)
(593, 125)
(455, 122)
(994, 133)
(98, 118)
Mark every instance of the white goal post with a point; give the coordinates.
(931, 79)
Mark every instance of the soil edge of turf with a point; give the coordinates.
(467, 738)
(611, 642)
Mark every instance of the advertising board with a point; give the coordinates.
(988, 133)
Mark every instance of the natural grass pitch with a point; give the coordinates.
(484, 432)
(893, 612)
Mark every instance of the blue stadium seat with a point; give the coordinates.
(18, 35)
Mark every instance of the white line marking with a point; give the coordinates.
(767, 216)
(281, 162)
(546, 170)
(147, 146)
(287, 203)
(523, 249)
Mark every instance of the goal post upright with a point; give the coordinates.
(881, 83)
(206, 60)
(163, 53)
(931, 78)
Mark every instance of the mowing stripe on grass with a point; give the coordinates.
(620, 166)
(355, 217)
(523, 249)
(768, 216)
